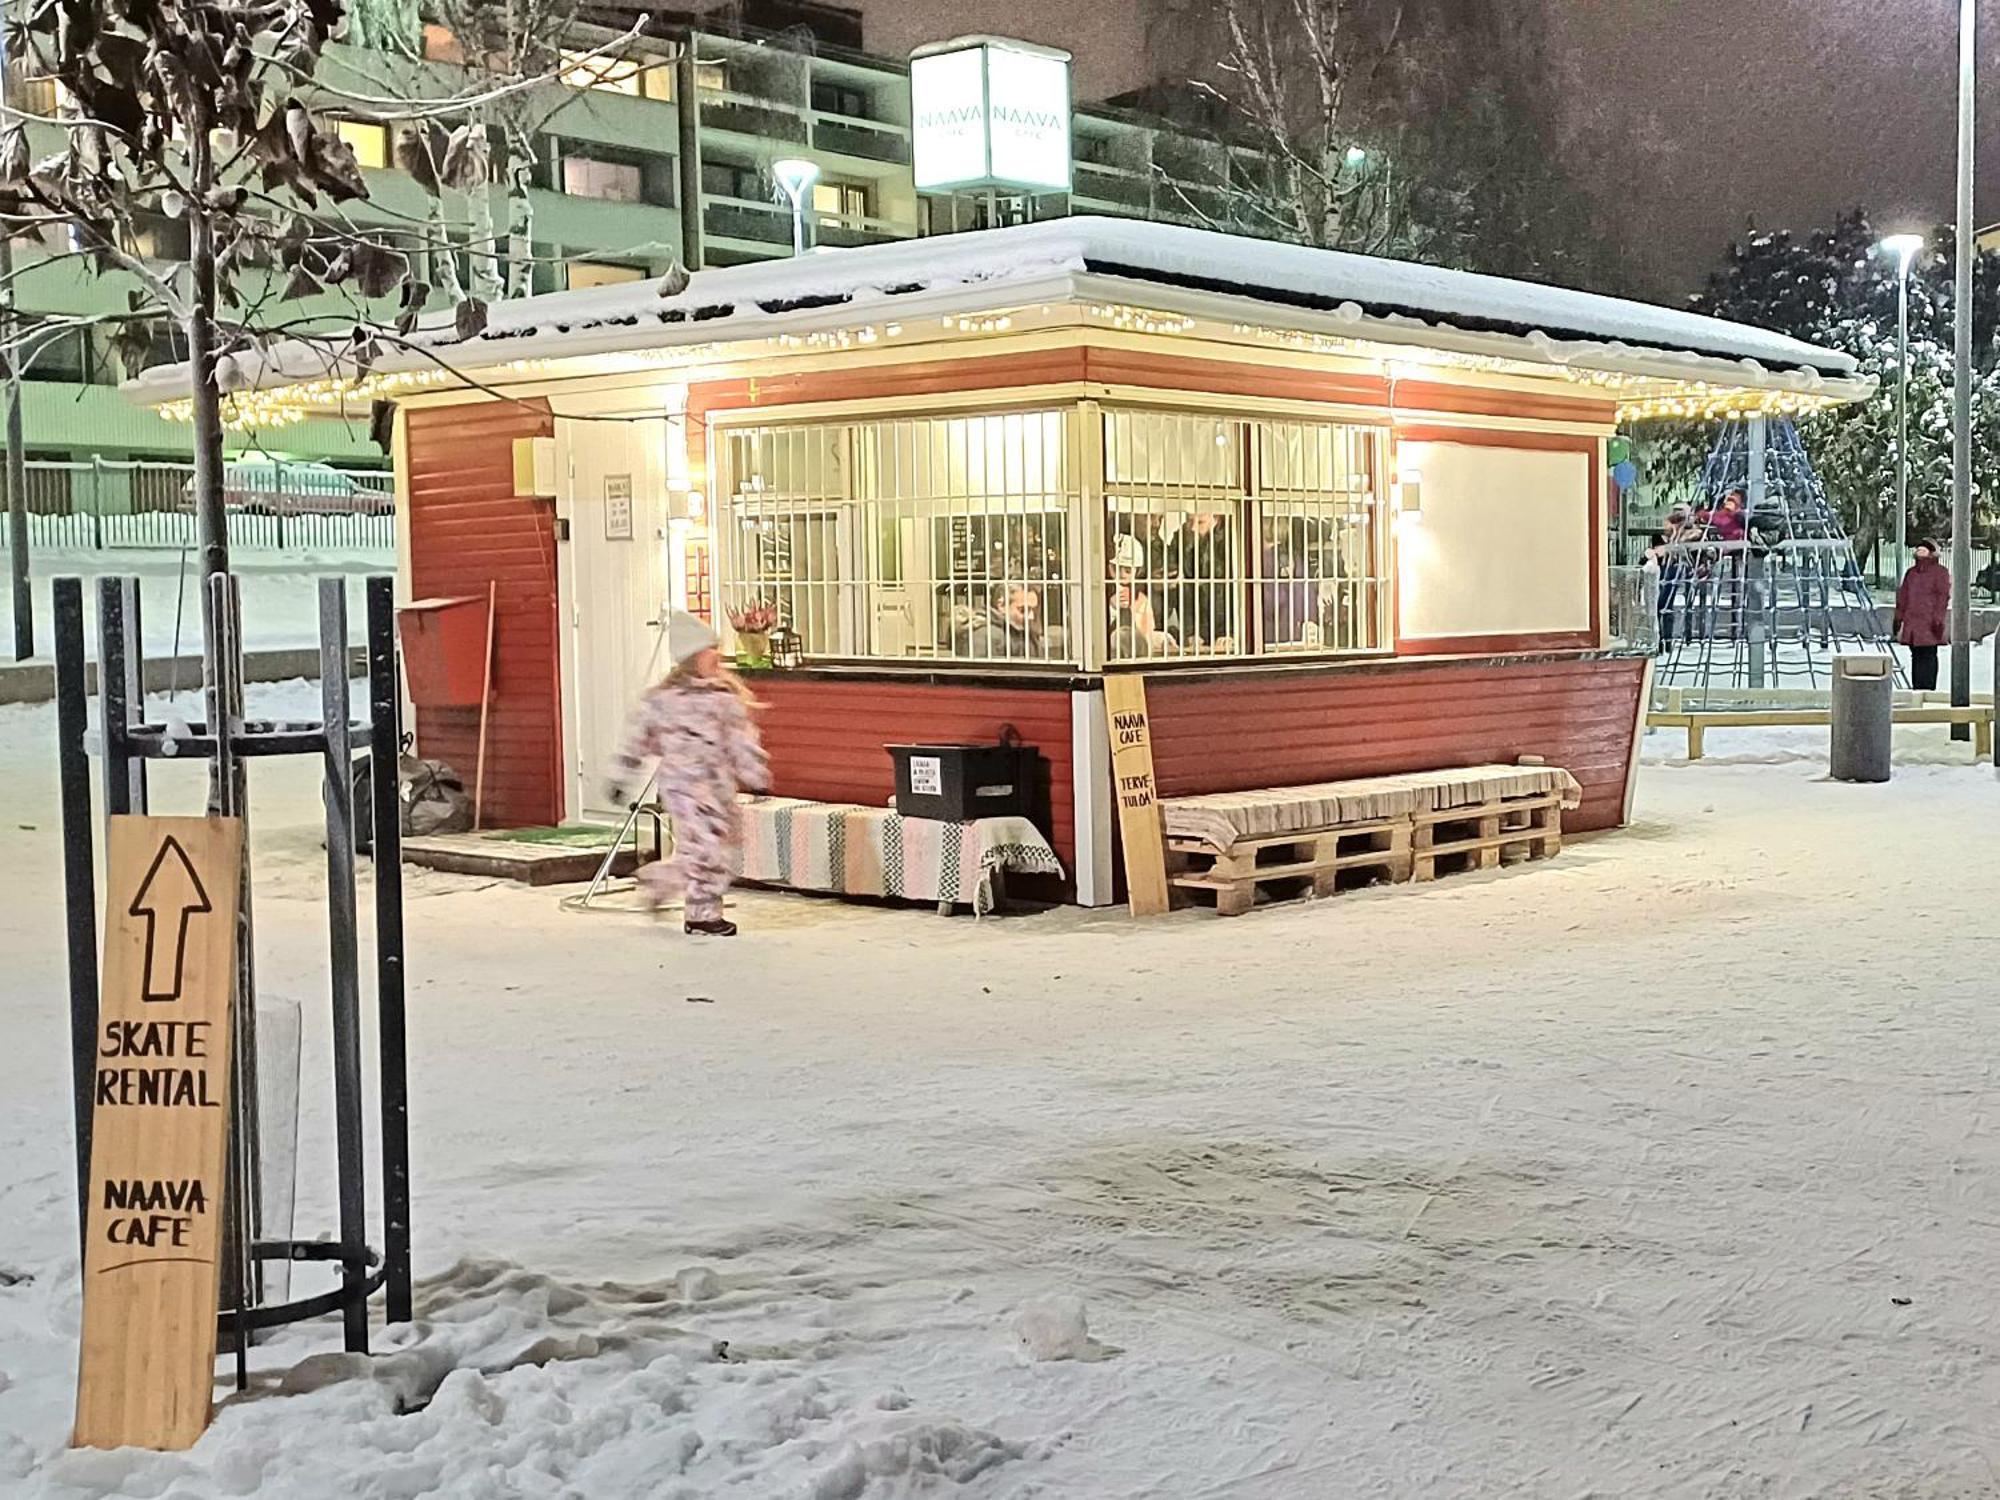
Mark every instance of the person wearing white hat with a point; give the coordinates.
(696, 723)
(1135, 629)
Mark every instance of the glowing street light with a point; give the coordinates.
(1906, 248)
(795, 178)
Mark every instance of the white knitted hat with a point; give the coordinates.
(687, 636)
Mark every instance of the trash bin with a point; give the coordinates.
(1863, 697)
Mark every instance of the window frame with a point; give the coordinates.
(1089, 492)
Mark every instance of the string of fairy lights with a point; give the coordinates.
(1640, 397)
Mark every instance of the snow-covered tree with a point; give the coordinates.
(1834, 288)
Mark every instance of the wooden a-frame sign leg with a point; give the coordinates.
(159, 1133)
(1139, 827)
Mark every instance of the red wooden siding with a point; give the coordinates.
(468, 529)
(825, 736)
(1237, 732)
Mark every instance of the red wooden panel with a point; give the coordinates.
(468, 530)
(1227, 733)
(825, 736)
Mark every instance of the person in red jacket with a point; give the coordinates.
(1923, 614)
(1727, 518)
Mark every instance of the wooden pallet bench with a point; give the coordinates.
(1449, 840)
(1698, 721)
(1319, 839)
(1380, 850)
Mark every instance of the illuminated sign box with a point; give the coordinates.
(987, 112)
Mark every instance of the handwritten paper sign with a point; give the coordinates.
(1138, 805)
(159, 1134)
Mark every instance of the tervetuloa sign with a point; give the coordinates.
(988, 112)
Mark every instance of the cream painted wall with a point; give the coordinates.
(1503, 545)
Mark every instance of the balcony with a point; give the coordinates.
(1191, 161)
(844, 135)
(741, 115)
(859, 231)
(739, 219)
(1128, 190)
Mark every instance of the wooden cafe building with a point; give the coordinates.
(1347, 515)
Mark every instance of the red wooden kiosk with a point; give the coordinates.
(1347, 514)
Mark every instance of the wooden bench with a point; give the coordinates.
(1698, 721)
(1318, 839)
(1483, 837)
(1381, 848)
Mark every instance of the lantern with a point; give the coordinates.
(787, 650)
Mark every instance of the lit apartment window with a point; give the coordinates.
(34, 93)
(440, 45)
(708, 77)
(840, 202)
(614, 181)
(613, 75)
(368, 141)
(584, 273)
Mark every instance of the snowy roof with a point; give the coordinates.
(1063, 259)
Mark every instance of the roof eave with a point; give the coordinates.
(1681, 367)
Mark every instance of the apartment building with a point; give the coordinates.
(613, 199)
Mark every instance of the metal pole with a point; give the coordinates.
(123, 791)
(344, 961)
(79, 874)
(17, 466)
(1902, 418)
(1749, 579)
(687, 113)
(384, 750)
(222, 699)
(1961, 414)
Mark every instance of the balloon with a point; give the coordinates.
(1626, 473)
(1619, 449)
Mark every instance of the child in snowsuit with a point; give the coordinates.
(697, 723)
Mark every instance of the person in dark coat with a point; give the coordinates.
(1923, 614)
(1011, 630)
(1199, 568)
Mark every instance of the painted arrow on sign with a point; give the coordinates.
(169, 898)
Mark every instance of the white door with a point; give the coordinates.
(618, 581)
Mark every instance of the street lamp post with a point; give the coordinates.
(17, 465)
(795, 177)
(1961, 402)
(1905, 248)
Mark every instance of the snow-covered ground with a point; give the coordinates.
(1666, 1168)
(280, 597)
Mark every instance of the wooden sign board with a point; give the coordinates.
(1139, 825)
(159, 1133)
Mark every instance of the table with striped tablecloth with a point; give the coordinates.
(872, 851)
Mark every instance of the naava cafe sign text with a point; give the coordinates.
(987, 112)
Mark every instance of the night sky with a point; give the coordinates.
(1691, 117)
